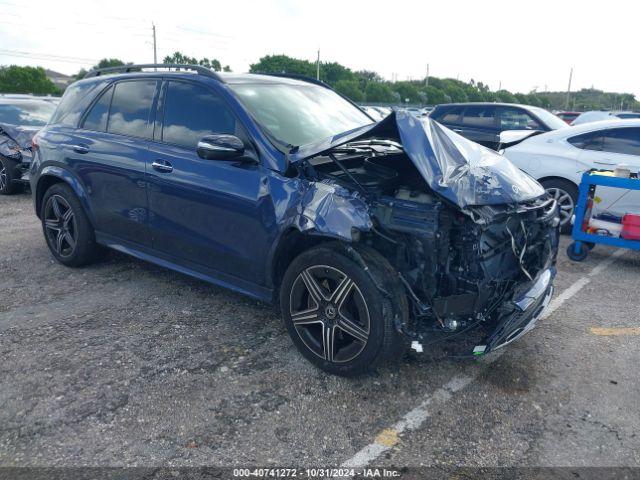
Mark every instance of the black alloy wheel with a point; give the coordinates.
(66, 227)
(7, 176)
(340, 316)
(329, 313)
(3, 177)
(60, 226)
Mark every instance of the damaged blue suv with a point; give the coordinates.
(370, 236)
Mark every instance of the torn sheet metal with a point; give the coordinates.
(15, 141)
(331, 210)
(460, 170)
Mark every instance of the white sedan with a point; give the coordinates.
(558, 159)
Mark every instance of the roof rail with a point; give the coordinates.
(297, 76)
(199, 69)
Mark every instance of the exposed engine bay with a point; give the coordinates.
(462, 266)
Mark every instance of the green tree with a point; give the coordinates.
(283, 64)
(379, 92)
(15, 79)
(332, 73)
(454, 91)
(104, 63)
(435, 95)
(407, 91)
(506, 96)
(350, 89)
(214, 64)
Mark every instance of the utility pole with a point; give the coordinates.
(426, 85)
(566, 107)
(155, 50)
(318, 66)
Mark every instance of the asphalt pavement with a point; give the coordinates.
(124, 363)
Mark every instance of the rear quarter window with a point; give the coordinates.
(587, 141)
(75, 100)
(97, 117)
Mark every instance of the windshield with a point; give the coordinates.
(27, 112)
(299, 114)
(553, 121)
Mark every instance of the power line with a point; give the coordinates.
(45, 56)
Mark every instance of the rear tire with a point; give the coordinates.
(8, 175)
(566, 194)
(335, 312)
(67, 230)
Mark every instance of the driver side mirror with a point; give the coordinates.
(220, 147)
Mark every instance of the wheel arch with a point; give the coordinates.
(291, 243)
(52, 175)
(557, 177)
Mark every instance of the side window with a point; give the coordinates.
(516, 119)
(74, 102)
(587, 141)
(480, 116)
(96, 119)
(191, 112)
(622, 140)
(452, 115)
(130, 108)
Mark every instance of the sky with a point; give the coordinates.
(518, 45)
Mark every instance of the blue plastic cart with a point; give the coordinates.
(583, 241)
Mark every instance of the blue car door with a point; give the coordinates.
(110, 152)
(207, 215)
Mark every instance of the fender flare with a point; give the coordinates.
(62, 174)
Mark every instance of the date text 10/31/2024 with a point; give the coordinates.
(337, 473)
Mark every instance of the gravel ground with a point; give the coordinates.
(126, 364)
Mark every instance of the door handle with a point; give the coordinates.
(162, 166)
(457, 130)
(603, 163)
(79, 148)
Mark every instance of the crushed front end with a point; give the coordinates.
(463, 275)
(473, 239)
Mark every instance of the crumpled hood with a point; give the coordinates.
(460, 170)
(12, 136)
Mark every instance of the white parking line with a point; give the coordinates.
(388, 438)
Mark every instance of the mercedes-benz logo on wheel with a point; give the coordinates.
(330, 311)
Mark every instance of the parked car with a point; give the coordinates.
(558, 159)
(483, 122)
(384, 111)
(372, 112)
(568, 117)
(21, 116)
(598, 115)
(370, 236)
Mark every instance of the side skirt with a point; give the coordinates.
(187, 268)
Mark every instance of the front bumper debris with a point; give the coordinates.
(525, 310)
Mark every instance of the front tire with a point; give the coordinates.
(8, 175)
(67, 230)
(335, 312)
(566, 194)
